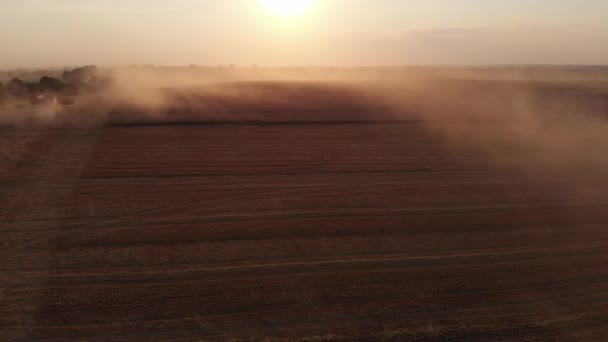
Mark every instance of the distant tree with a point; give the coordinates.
(51, 84)
(17, 88)
(80, 76)
(69, 90)
(34, 89)
(2, 93)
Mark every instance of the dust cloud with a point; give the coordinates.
(545, 128)
(536, 120)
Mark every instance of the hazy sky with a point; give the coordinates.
(38, 33)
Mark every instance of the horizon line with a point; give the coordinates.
(313, 66)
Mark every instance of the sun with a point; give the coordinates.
(288, 8)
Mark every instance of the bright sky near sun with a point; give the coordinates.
(38, 33)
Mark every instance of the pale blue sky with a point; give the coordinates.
(343, 32)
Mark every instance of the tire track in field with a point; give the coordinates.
(61, 164)
(299, 194)
(400, 257)
(333, 212)
(83, 228)
(366, 211)
(193, 204)
(68, 152)
(322, 265)
(76, 230)
(376, 302)
(189, 205)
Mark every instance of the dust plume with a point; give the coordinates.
(544, 128)
(534, 120)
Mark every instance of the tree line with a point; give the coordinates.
(73, 82)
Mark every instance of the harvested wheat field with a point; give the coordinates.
(304, 231)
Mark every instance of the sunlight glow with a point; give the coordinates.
(288, 8)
